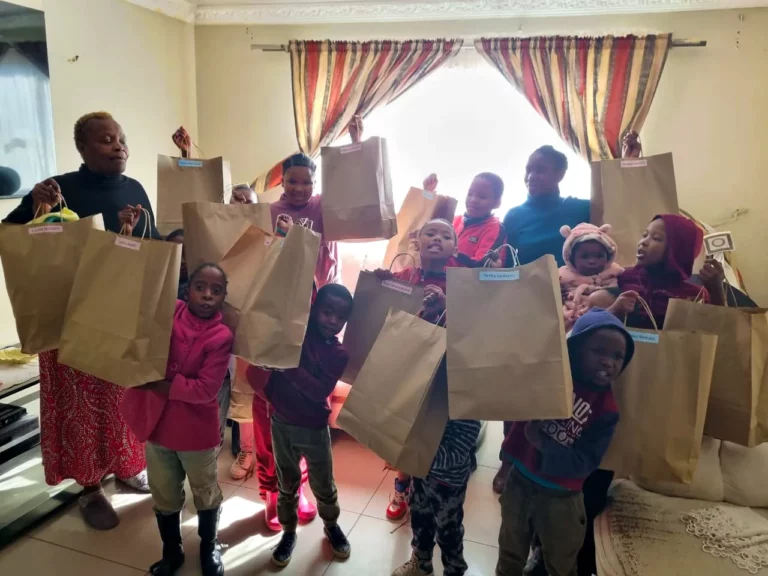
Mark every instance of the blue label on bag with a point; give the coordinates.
(499, 275)
(187, 163)
(644, 337)
(428, 195)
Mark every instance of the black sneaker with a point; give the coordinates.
(284, 549)
(339, 542)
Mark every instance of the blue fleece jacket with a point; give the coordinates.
(534, 226)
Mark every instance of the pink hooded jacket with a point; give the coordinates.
(576, 287)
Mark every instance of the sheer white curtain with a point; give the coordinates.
(26, 120)
(462, 120)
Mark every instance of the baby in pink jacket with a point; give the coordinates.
(178, 419)
(589, 254)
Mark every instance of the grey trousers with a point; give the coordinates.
(167, 470)
(289, 444)
(556, 516)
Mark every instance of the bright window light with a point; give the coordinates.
(462, 120)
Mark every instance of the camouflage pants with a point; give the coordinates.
(437, 513)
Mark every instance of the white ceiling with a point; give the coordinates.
(337, 11)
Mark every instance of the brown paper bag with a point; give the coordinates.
(241, 399)
(210, 229)
(738, 399)
(398, 406)
(241, 263)
(503, 367)
(373, 300)
(419, 207)
(627, 194)
(357, 192)
(39, 263)
(118, 322)
(181, 180)
(275, 311)
(662, 400)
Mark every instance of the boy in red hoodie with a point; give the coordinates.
(478, 231)
(300, 412)
(552, 458)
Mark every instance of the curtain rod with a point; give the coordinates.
(675, 44)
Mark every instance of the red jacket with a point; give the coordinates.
(476, 238)
(300, 395)
(188, 417)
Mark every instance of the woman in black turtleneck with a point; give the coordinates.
(83, 436)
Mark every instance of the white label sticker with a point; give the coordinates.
(499, 275)
(124, 242)
(644, 337)
(428, 195)
(351, 148)
(634, 163)
(47, 229)
(401, 287)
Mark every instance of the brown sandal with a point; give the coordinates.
(97, 510)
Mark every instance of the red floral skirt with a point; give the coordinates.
(82, 433)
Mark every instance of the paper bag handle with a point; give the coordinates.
(512, 251)
(62, 205)
(146, 225)
(413, 271)
(647, 309)
(440, 319)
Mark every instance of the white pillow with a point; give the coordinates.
(707, 483)
(745, 471)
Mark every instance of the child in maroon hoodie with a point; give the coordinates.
(552, 458)
(478, 231)
(300, 412)
(178, 418)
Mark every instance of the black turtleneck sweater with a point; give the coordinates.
(87, 194)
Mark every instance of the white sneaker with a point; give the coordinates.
(411, 568)
(140, 482)
(242, 467)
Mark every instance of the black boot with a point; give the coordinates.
(173, 552)
(210, 550)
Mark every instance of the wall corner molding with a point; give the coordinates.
(302, 12)
(183, 10)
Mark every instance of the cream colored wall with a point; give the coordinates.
(709, 109)
(136, 64)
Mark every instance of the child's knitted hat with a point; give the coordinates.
(584, 232)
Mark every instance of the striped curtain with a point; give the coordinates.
(591, 90)
(334, 81)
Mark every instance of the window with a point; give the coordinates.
(462, 120)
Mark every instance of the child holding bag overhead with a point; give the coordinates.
(178, 418)
(478, 231)
(552, 458)
(299, 414)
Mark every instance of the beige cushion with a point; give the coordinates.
(707, 483)
(745, 471)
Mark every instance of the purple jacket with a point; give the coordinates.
(188, 417)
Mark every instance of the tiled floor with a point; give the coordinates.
(64, 546)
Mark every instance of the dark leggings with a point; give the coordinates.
(595, 495)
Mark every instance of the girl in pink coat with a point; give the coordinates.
(589, 254)
(178, 418)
